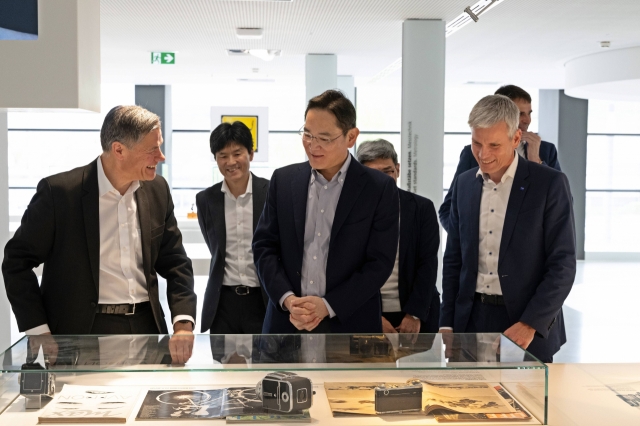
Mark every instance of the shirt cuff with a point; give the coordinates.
(445, 328)
(41, 329)
(331, 313)
(414, 317)
(282, 299)
(182, 318)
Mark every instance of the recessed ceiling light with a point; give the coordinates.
(249, 33)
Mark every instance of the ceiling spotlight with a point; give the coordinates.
(470, 13)
(249, 33)
(264, 54)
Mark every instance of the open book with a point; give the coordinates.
(441, 399)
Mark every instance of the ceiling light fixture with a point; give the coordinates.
(264, 54)
(249, 33)
(388, 70)
(470, 13)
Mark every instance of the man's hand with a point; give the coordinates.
(409, 324)
(181, 343)
(306, 312)
(447, 339)
(533, 146)
(48, 344)
(387, 327)
(521, 334)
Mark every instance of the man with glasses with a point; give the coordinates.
(327, 238)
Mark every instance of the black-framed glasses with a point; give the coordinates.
(307, 137)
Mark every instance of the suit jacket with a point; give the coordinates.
(61, 228)
(362, 248)
(418, 262)
(537, 258)
(212, 221)
(548, 155)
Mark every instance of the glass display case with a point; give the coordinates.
(332, 378)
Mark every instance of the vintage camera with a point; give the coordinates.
(369, 346)
(35, 384)
(285, 392)
(398, 399)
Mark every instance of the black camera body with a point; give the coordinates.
(400, 399)
(285, 392)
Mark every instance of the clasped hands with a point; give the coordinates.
(305, 313)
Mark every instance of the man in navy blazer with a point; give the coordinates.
(510, 259)
(327, 238)
(228, 213)
(531, 146)
(410, 299)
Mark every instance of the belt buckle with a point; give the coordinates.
(246, 290)
(482, 298)
(134, 309)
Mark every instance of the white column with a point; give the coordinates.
(346, 85)
(321, 73)
(5, 308)
(563, 120)
(422, 131)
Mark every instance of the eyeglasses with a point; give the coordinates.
(322, 140)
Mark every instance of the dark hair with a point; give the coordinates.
(336, 103)
(513, 92)
(229, 133)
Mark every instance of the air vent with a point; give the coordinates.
(249, 33)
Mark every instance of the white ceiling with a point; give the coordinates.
(525, 42)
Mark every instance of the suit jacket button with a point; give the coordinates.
(297, 273)
(94, 304)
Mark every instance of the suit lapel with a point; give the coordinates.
(518, 191)
(144, 217)
(299, 193)
(407, 214)
(219, 222)
(353, 185)
(91, 213)
(259, 195)
(475, 197)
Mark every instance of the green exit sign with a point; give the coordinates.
(164, 58)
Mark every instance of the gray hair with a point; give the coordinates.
(495, 109)
(127, 125)
(377, 149)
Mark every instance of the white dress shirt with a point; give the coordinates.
(121, 275)
(239, 268)
(493, 209)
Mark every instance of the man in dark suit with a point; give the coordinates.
(228, 213)
(531, 146)
(104, 231)
(327, 238)
(410, 299)
(510, 260)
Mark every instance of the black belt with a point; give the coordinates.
(241, 290)
(490, 299)
(122, 309)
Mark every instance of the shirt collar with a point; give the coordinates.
(249, 190)
(340, 176)
(510, 173)
(105, 186)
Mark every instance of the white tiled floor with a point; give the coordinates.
(602, 314)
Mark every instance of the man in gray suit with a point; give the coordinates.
(228, 213)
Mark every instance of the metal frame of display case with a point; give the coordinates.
(219, 360)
